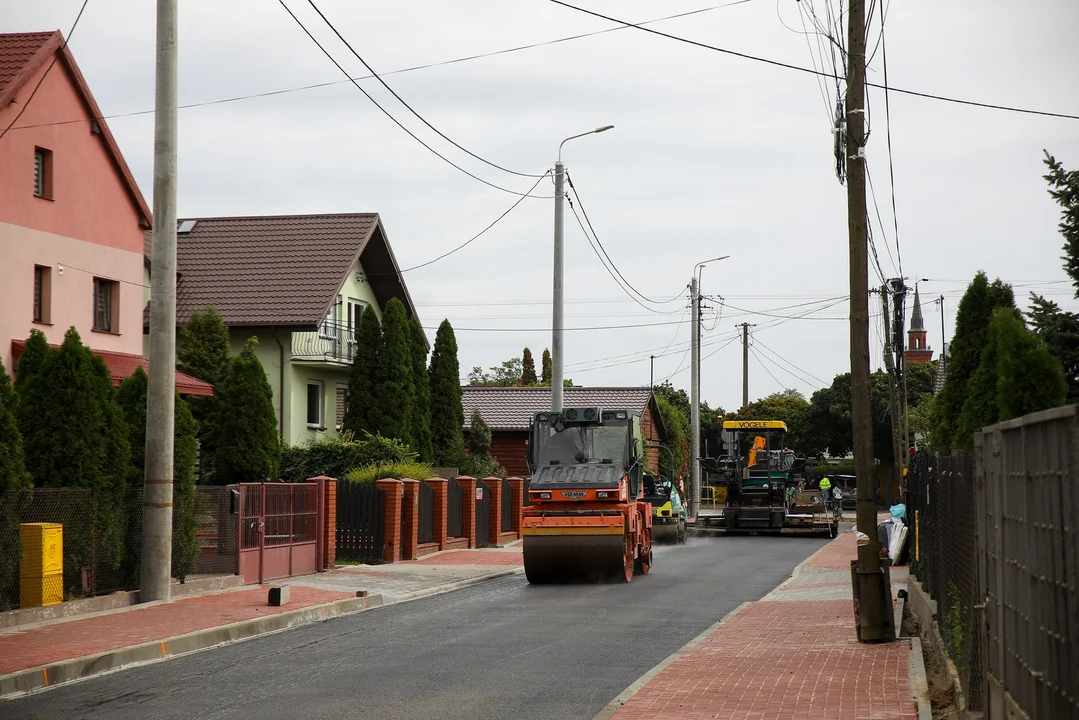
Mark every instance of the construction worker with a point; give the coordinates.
(826, 490)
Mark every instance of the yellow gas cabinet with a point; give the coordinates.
(41, 570)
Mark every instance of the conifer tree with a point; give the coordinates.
(394, 390)
(546, 378)
(528, 369)
(33, 357)
(248, 443)
(447, 413)
(421, 402)
(13, 475)
(360, 404)
(1030, 378)
(203, 353)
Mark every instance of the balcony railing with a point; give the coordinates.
(332, 342)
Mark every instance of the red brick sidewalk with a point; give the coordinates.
(37, 646)
(782, 659)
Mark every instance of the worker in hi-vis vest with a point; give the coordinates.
(826, 489)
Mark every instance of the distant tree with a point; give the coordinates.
(1064, 188)
(965, 351)
(421, 403)
(677, 440)
(545, 378)
(478, 462)
(132, 399)
(248, 443)
(447, 413)
(394, 391)
(528, 368)
(360, 406)
(508, 374)
(791, 407)
(13, 475)
(32, 359)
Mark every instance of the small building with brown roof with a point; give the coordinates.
(299, 284)
(509, 412)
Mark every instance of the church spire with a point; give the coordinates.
(916, 321)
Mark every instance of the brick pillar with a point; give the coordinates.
(328, 487)
(468, 484)
(439, 485)
(391, 527)
(410, 530)
(518, 486)
(496, 507)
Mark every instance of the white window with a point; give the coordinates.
(314, 404)
(328, 329)
(342, 393)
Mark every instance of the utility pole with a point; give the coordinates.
(556, 333)
(745, 362)
(869, 589)
(651, 372)
(893, 377)
(695, 397)
(156, 571)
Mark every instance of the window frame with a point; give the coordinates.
(42, 312)
(340, 394)
(321, 423)
(113, 308)
(328, 328)
(43, 173)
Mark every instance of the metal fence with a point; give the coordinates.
(360, 518)
(941, 509)
(217, 530)
(507, 506)
(455, 509)
(425, 531)
(1028, 549)
(483, 514)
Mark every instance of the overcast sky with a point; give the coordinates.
(711, 155)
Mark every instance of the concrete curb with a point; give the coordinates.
(36, 679)
(449, 587)
(615, 705)
(919, 683)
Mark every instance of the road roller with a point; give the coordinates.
(587, 519)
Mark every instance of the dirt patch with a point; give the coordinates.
(941, 690)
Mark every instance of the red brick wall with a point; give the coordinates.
(468, 484)
(651, 435)
(410, 529)
(518, 503)
(438, 485)
(391, 529)
(496, 507)
(330, 554)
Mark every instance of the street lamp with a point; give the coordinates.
(556, 324)
(695, 386)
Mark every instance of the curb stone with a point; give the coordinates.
(615, 705)
(919, 684)
(449, 587)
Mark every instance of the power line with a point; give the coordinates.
(788, 66)
(402, 100)
(391, 117)
(440, 63)
(803, 316)
(470, 240)
(569, 329)
(757, 357)
(55, 57)
(806, 373)
(580, 202)
(888, 132)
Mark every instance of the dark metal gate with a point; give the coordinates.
(524, 500)
(361, 511)
(455, 509)
(507, 505)
(483, 514)
(426, 514)
(280, 530)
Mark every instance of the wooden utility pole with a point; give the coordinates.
(873, 624)
(745, 363)
(893, 400)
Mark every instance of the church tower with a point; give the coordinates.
(917, 351)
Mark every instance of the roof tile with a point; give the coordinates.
(16, 50)
(512, 408)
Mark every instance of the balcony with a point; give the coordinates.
(331, 343)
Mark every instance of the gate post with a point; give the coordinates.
(327, 520)
(518, 486)
(410, 529)
(496, 508)
(391, 519)
(439, 485)
(468, 484)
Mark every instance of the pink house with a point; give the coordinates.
(71, 216)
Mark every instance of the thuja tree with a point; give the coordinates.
(33, 357)
(421, 400)
(203, 353)
(394, 391)
(528, 369)
(248, 443)
(13, 480)
(132, 399)
(447, 413)
(360, 405)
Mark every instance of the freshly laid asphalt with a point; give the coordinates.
(500, 650)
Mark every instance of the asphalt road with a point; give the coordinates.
(500, 650)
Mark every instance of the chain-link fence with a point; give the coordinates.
(102, 537)
(941, 509)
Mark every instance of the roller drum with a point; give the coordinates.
(582, 558)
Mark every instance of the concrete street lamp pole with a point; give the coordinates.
(556, 324)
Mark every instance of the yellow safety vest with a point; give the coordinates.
(825, 484)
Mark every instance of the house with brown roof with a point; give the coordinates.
(299, 284)
(72, 217)
(509, 412)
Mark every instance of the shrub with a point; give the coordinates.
(478, 462)
(248, 447)
(336, 456)
(371, 473)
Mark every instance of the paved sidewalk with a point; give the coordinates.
(793, 654)
(43, 654)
